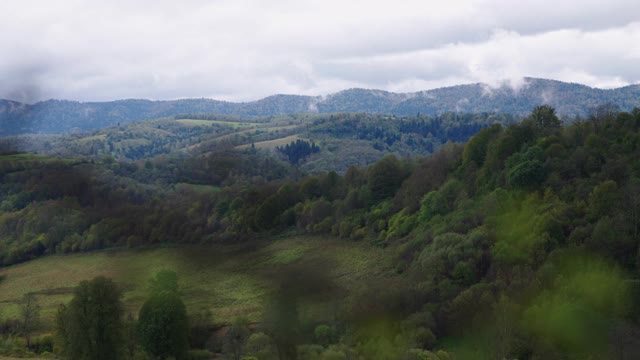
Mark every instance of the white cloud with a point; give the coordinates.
(247, 49)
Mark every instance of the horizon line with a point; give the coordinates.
(502, 83)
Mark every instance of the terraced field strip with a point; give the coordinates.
(196, 122)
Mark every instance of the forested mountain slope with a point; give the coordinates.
(339, 140)
(57, 116)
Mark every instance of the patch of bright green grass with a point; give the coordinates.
(198, 187)
(287, 256)
(272, 144)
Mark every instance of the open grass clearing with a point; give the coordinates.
(228, 280)
(198, 187)
(87, 139)
(236, 124)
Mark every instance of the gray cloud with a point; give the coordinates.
(246, 49)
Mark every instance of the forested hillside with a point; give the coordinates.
(56, 116)
(341, 140)
(522, 243)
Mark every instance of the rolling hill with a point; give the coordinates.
(343, 139)
(60, 116)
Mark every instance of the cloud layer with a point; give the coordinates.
(246, 49)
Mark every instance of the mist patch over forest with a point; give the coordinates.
(569, 99)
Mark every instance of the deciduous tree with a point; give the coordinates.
(30, 316)
(90, 327)
(163, 326)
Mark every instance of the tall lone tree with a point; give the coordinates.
(30, 316)
(162, 323)
(90, 327)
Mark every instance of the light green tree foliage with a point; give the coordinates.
(90, 327)
(432, 204)
(419, 354)
(260, 345)
(441, 201)
(400, 225)
(574, 313)
(333, 354)
(453, 256)
(523, 227)
(162, 323)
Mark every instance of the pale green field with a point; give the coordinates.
(279, 128)
(194, 122)
(23, 157)
(268, 128)
(198, 188)
(100, 137)
(272, 144)
(228, 280)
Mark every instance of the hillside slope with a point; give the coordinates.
(523, 242)
(57, 116)
(227, 280)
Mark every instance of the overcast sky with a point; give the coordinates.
(246, 49)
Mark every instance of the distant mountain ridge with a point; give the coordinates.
(60, 116)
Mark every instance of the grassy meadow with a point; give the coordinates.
(234, 124)
(227, 280)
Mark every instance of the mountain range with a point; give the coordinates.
(61, 116)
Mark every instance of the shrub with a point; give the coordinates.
(325, 335)
(199, 354)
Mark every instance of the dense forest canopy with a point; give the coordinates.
(522, 242)
(341, 139)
